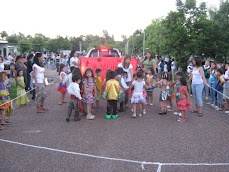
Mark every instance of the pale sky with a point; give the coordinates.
(83, 17)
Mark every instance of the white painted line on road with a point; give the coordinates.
(32, 131)
(118, 159)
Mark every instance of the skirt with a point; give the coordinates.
(138, 98)
(226, 93)
(23, 99)
(62, 88)
(90, 99)
(182, 105)
(164, 96)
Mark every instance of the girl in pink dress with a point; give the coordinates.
(184, 103)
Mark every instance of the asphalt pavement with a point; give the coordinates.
(52, 144)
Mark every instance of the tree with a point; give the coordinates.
(24, 46)
(3, 34)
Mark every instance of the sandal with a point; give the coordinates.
(64, 102)
(160, 113)
(200, 114)
(194, 111)
(1, 128)
(5, 123)
(41, 111)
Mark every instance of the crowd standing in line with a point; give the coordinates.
(120, 85)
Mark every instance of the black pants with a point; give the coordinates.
(112, 107)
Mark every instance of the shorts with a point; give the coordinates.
(98, 94)
(164, 96)
(40, 93)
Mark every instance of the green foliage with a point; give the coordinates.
(24, 46)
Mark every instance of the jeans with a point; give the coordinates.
(220, 98)
(52, 65)
(197, 91)
(206, 88)
(57, 66)
(11, 72)
(213, 93)
(127, 94)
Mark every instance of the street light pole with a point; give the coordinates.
(143, 51)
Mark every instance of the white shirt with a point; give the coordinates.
(74, 89)
(173, 65)
(68, 79)
(74, 59)
(197, 77)
(40, 74)
(126, 74)
(61, 75)
(1, 67)
(165, 68)
(138, 86)
(11, 59)
(123, 84)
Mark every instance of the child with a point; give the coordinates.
(62, 88)
(112, 91)
(107, 78)
(189, 70)
(21, 94)
(184, 103)
(98, 86)
(213, 83)
(138, 97)
(206, 68)
(7, 82)
(123, 86)
(4, 99)
(172, 92)
(177, 85)
(164, 95)
(74, 92)
(89, 90)
(219, 88)
(150, 81)
(226, 87)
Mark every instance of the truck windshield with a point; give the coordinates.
(109, 53)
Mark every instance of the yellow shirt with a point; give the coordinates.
(112, 89)
(99, 82)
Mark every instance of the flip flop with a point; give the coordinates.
(194, 111)
(200, 114)
(5, 124)
(1, 128)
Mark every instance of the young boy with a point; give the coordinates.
(98, 86)
(111, 92)
(123, 86)
(74, 92)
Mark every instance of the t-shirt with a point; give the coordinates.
(126, 74)
(212, 79)
(11, 59)
(18, 66)
(1, 67)
(98, 82)
(74, 59)
(112, 89)
(147, 64)
(173, 65)
(40, 73)
(138, 86)
(206, 71)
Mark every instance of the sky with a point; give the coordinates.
(83, 17)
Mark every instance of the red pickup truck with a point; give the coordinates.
(104, 59)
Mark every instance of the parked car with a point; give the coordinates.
(6, 63)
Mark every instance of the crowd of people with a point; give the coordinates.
(120, 86)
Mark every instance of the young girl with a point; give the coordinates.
(213, 83)
(172, 92)
(164, 95)
(150, 81)
(138, 97)
(177, 85)
(62, 88)
(4, 99)
(89, 88)
(22, 100)
(184, 103)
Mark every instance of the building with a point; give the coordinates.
(3, 48)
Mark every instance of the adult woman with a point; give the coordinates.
(198, 82)
(149, 61)
(29, 70)
(39, 81)
(20, 64)
(1, 64)
(128, 73)
(74, 60)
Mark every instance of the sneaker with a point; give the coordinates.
(140, 115)
(216, 107)
(191, 95)
(206, 98)
(180, 114)
(168, 107)
(219, 109)
(181, 120)
(144, 111)
(176, 113)
(134, 115)
(90, 117)
(170, 110)
(132, 110)
(208, 103)
(227, 112)
(151, 104)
